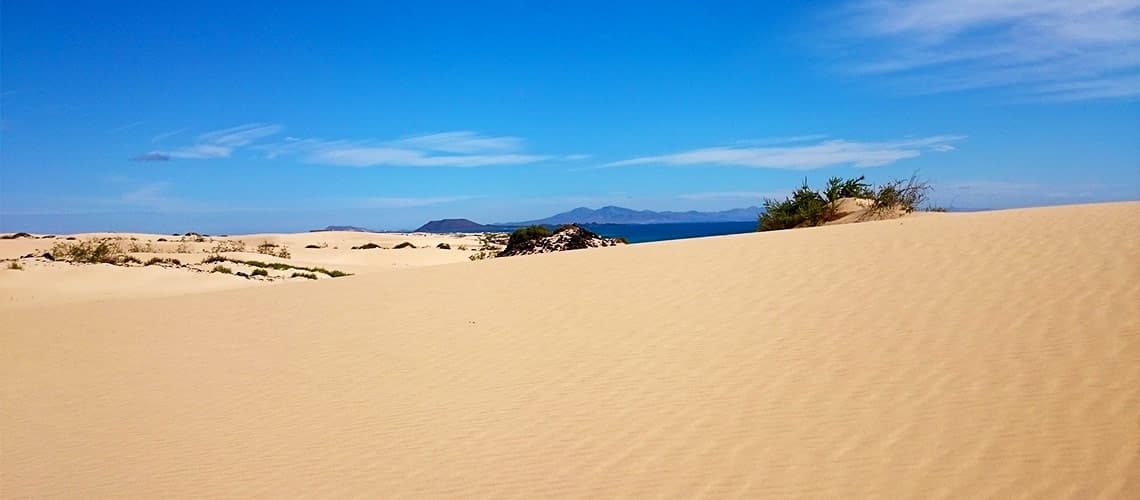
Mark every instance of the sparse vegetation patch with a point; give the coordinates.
(808, 207)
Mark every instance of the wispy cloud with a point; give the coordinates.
(166, 135)
(804, 156)
(216, 144)
(1042, 49)
(448, 149)
(125, 127)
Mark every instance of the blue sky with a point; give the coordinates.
(276, 116)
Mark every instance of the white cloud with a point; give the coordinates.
(448, 149)
(1044, 49)
(166, 135)
(463, 142)
(216, 144)
(805, 156)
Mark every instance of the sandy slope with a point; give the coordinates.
(988, 355)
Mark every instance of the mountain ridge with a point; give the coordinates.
(611, 214)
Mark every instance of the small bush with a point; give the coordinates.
(15, 266)
(155, 261)
(183, 248)
(309, 276)
(140, 248)
(15, 236)
(221, 269)
(162, 240)
(367, 246)
(482, 255)
(312, 246)
(70, 238)
(259, 272)
(904, 194)
(95, 251)
(404, 245)
(227, 246)
(804, 208)
(214, 258)
(443, 246)
(527, 234)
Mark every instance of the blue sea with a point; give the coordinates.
(642, 233)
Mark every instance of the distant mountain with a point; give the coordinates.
(453, 226)
(619, 215)
(343, 228)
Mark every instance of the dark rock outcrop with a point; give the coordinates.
(569, 237)
(452, 226)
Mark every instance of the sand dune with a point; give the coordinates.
(45, 282)
(986, 355)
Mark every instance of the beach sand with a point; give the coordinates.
(974, 355)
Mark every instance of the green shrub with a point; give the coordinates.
(904, 194)
(214, 258)
(805, 207)
(367, 246)
(221, 269)
(272, 249)
(259, 272)
(154, 261)
(94, 251)
(309, 276)
(404, 245)
(15, 266)
(839, 188)
(528, 233)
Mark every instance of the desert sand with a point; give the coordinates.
(44, 282)
(979, 355)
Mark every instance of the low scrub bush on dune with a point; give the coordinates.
(367, 246)
(222, 269)
(259, 272)
(227, 246)
(404, 245)
(277, 266)
(312, 246)
(808, 207)
(15, 236)
(94, 251)
(528, 233)
(160, 260)
(805, 207)
(309, 276)
(136, 247)
(15, 266)
(272, 249)
(902, 194)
